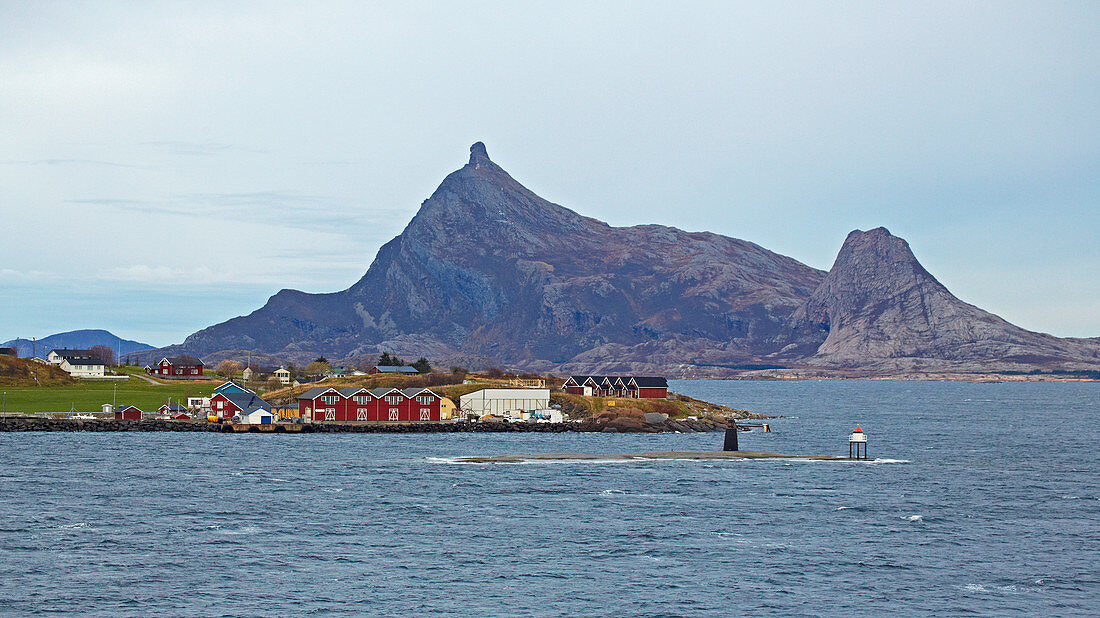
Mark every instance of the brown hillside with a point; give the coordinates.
(25, 372)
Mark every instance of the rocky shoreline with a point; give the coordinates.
(618, 425)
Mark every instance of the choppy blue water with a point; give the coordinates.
(987, 503)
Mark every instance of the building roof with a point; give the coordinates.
(84, 361)
(247, 402)
(71, 353)
(231, 386)
(352, 390)
(640, 381)
(413, 392)
(507, 393)
(183, 360)
(396, 369)
(315, 391)
(175, 407)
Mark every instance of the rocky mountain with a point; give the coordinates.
(487, 272)
(80, 339)
(879, 308)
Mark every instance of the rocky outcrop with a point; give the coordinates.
(10, 424)
(878, 307)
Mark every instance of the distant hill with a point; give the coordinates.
(82, 339)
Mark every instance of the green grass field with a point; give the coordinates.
(90, 396)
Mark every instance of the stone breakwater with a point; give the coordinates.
(619, 425)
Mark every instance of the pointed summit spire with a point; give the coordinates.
(478, 155)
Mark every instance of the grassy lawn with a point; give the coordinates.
(90, 396)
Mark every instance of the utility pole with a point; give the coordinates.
(114, 398)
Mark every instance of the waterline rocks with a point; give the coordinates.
(616, 425)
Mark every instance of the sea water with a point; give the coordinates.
(981, 499)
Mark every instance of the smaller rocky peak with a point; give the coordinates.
(874, 246)
(478, 154)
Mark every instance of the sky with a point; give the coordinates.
(167, 166)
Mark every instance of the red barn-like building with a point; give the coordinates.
(353, 404)
(228, 404)
(177, 367)
(127, 413)
(630, 387)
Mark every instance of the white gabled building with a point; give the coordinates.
(505, 401)
(56, 357)
(84, 367)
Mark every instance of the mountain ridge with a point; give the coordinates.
(80, 339)
(490, 273)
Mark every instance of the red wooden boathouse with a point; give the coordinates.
(630, 387)
(353, 404)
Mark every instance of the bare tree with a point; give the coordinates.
(103, 353)
(228, 368)
(318, 368)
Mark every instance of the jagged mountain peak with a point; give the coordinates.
(478, 154)
(481, 201)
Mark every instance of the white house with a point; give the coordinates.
(505, 401)
(283, 374)
(56, 357)
(257, 416)
(83, 367)
(198, 403)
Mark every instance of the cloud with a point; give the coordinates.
(25, 276)
(92, 162)
(286, 209)
(205, 149)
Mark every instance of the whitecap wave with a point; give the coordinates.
(77, 526)
(913, 518)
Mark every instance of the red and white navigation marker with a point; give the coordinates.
(857, 439)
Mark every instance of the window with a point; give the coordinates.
(393, 400)
(221, 404)
(361, 399)
(425, 414)
(393, 414)
(194, 372)
(362, 415)
(329, 399)
(425, 399)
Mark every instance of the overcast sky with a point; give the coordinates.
(167, 166)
